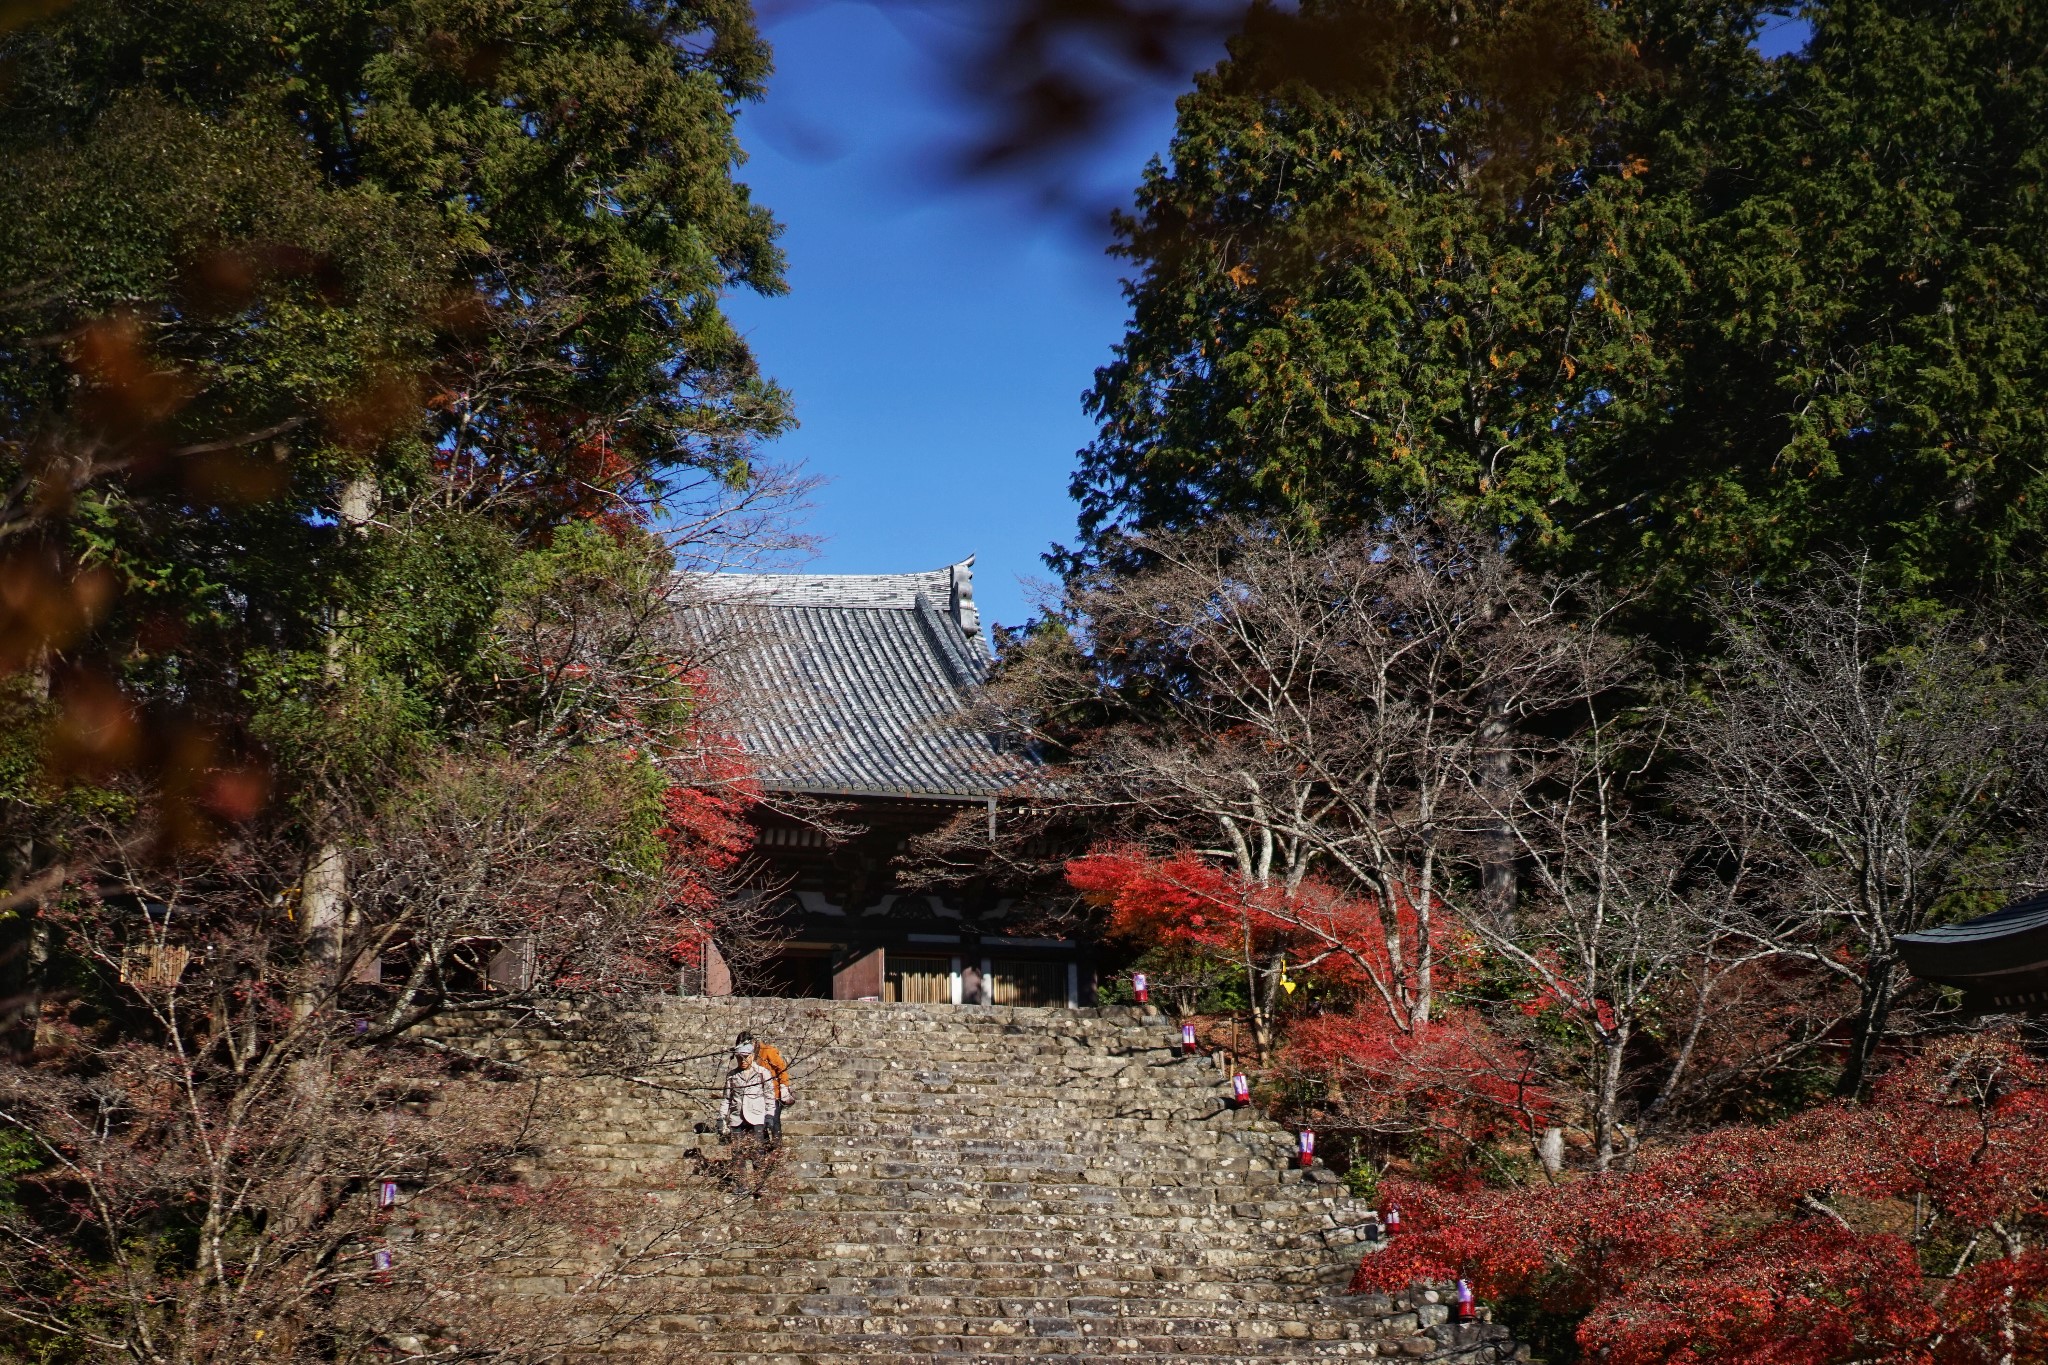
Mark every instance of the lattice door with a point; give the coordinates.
(920, 980)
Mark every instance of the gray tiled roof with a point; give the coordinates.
(853, 684)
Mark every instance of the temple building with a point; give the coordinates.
(1999, 961)
(850, 694)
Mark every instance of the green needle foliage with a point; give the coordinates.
(320, 316)
(1603, 277)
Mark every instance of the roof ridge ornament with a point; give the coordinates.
(962, 609)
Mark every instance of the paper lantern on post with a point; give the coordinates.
(1138, 987)
(1187, 1039)
(1464, 1310)
(387, 1194)
(1240, 1090)
(380, 1259)
(1306, 1144)
(1393, 1219)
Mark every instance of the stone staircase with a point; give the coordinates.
(993, 1184)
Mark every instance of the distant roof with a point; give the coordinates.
(2031, 912)
(1999, 960)
(853, 684)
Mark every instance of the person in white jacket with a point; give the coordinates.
(750, 1099)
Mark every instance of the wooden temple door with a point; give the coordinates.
(860, 977)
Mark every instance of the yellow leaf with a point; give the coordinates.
(1242, 275)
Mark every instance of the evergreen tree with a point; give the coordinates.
(321, 316)
(1605, 278)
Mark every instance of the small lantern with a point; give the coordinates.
(1464, 1309)
(1139, 987)
(1306, 1143)
(387, 1194)
(1240, 1090)
(1187, 1039)
(1393, 1219)
(381, 1260)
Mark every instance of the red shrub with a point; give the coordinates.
(1898, 1230)
(1455, 1077)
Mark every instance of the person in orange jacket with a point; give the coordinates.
(769, 1057)
(749, 1105)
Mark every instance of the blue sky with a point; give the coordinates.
(936, 337)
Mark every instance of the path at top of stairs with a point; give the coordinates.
(985, 1184)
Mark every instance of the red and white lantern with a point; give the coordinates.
(387, 1194)
(1306, 1145)
(1464, 1309)
(1187, 1039)
(1240, 1089)
(380, 1260)
(1393, 1219)
(1139, 987)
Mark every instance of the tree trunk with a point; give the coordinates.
(357, 504)
(1606, 1097)
(1425, 948)
(323, 892)
(1500, 883)
(323, 888)
(38, 980)
(36, 967)
(1264, 997)
(1872, 1015)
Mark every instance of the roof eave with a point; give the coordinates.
(884, 794)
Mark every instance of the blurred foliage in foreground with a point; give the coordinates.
(363, 375)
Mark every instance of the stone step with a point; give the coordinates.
(1221, 1344)
(993, 1184)
(936, 1275)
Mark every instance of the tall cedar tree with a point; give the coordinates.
(318, 317)
(1602, 276)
